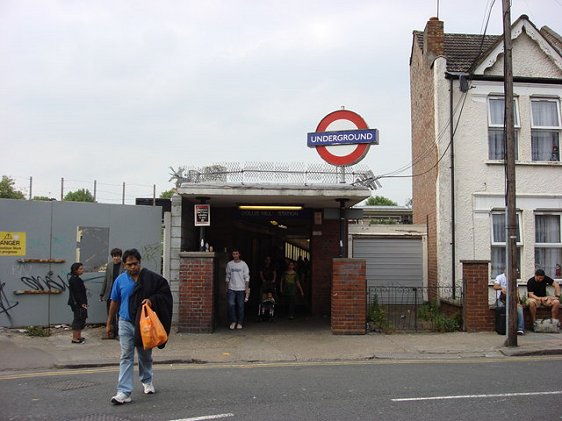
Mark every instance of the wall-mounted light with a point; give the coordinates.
(270, 207)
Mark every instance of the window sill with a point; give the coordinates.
(524, 163)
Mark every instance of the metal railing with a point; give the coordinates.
(273, 172)
(392, 308)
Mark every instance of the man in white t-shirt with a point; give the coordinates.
(238, 293)
(500, 285)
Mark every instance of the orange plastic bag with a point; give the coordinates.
(151, 329)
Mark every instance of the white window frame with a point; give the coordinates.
(537, 128)
(551, 269)
(496, 126)
(495, 244)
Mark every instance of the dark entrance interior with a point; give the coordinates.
(281, 235)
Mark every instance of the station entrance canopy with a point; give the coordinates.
(312, 186)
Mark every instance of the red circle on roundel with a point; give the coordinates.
(358, 153)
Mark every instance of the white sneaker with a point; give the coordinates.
(120, 398)
(148, 388)
(232, 326)
(238, 326)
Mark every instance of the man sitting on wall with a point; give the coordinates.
(500, 285)
(536, 292)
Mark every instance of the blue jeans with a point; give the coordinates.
(126, 361)
(520, 320)
(235, 306)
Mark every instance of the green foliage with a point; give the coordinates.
(37, 331)
(44, 198)
(167, 194)
(82, 195)
(7, 189)
(431, 312)
(380, 201)
(377, 316)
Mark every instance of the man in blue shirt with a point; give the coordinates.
(130, 291)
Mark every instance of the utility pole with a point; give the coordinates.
(511, 225)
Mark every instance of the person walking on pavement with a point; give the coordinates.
(112, 271)
(131, 289)
(289, 285)
(238, 289)
(78, 302)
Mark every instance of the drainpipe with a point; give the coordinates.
(453, 237)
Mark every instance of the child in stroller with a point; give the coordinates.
(266, 309)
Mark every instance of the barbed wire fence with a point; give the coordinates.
(102, 192)
(294, 173)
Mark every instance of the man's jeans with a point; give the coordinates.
(235, 302)
(126, 362)
(520, 320)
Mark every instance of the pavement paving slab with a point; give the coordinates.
(282, 342)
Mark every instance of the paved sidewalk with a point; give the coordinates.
(284, 341)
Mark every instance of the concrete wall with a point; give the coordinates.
(34, 284)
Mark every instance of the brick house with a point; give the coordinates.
(458, 151)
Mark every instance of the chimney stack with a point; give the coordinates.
(433, 39)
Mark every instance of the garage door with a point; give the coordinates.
(391, 261)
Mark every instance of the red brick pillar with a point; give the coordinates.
(196, 292)
(349, 292)
(476, 310)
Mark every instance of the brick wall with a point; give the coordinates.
(196, 288)
(424, 153)
(324, 248)
(349, 289)
(476, 310)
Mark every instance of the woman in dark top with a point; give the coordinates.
(78, 302)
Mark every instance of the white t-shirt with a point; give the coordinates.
(501, 280)
(237, 274)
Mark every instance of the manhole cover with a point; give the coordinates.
(69, 384)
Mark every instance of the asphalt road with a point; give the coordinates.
(483, 389)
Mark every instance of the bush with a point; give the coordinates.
(37, 331)
(376, 315)
(431, 312)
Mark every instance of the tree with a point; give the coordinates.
(82, 195)
(44, 198)
(380, 201)
(7, 190)
(167, 194)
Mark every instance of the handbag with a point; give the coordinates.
(546, 326)
(152, 332)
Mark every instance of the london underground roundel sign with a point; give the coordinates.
(342, 147)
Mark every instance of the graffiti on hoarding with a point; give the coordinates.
(5, 304)
(46, 283)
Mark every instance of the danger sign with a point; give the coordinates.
(12, 243)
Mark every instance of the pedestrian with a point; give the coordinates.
(78, 302)
(238, 289)
(133, 288)
(112, 271)
(289, 285)
(268, 278)
(500, 285)
(536, 292)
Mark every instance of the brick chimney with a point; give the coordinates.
(433, 39)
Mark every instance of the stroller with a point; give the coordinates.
(266, 309)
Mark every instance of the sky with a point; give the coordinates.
(118, 91)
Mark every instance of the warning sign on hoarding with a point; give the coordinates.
(12, 243)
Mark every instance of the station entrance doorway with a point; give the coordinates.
(280, 236)
(301, 223)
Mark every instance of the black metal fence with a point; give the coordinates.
(402, 308)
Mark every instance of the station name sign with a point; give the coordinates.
(343, 137)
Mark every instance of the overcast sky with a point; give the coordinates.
(118, 91)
